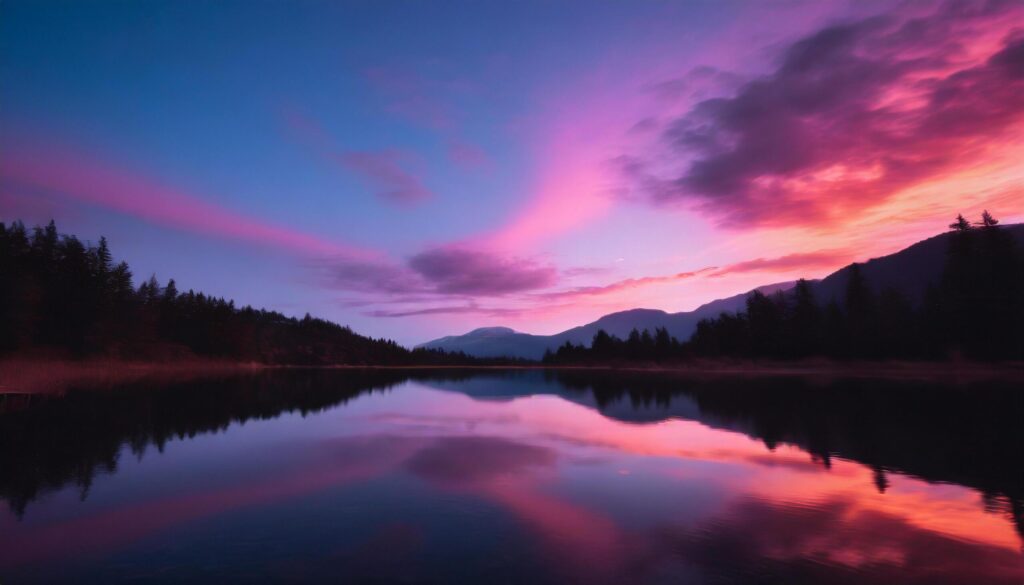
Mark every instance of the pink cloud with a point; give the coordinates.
(472, 272)
(86, 179)
(565, 200)
(800, 260)
(852, 115)
(624, 285)
(439, 273)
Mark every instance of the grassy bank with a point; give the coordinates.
(38, 376)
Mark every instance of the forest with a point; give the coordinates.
(975, 311)
(60, 297)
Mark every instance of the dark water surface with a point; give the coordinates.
(513, 477)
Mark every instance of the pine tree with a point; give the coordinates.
(602, 345)
(170, 291)
(662, 343)
(151, 293)
(987, 221)
(103, 257)
(961, 224)
(121, 282)
(805, 320)
(860, 312)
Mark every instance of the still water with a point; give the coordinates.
(513, 477)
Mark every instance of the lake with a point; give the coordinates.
(450, 476)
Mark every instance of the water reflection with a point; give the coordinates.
(513, 476)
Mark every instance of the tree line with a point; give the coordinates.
(975, 310)
(604, 348)
(60, 296)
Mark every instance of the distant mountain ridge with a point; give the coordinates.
(503, 341)
(910, 271)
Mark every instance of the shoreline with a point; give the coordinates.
(48, 375)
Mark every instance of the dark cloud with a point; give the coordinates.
(372, 277)
(462, 271)
(851, 115)
(697, 83)
(432, 277)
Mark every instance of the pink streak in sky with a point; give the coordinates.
(624, 285)
(88, 180)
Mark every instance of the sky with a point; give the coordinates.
(419, 169)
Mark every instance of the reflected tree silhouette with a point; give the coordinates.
(967, 434)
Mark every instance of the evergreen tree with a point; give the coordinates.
(764, 320)
(805, 321)
(860, 313)
(662, 343)
(103, 257)
(960, 224)
(58, 295)
(987, 221)
(603, 345)
(171, 292)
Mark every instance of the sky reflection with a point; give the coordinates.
(405, 483)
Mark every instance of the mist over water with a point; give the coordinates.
(513, 476)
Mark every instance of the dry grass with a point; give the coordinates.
(52, 375)
(43, 376)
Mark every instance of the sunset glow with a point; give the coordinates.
(504, 453)
(654, 155)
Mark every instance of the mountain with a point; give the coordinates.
(910, 271)
(680, 325)
(64, 298)
(493, 342)
(503, 341)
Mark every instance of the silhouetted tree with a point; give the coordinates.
(59, 295)
(860, 314)
(805, 321)
(608, 349)
(960, 224)
(976, 309)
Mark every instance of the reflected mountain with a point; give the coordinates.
(967, 434)
(963, 434)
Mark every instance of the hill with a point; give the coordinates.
(910, 272)
(62, 297)
(503, 341)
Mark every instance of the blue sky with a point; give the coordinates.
(422, 168)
